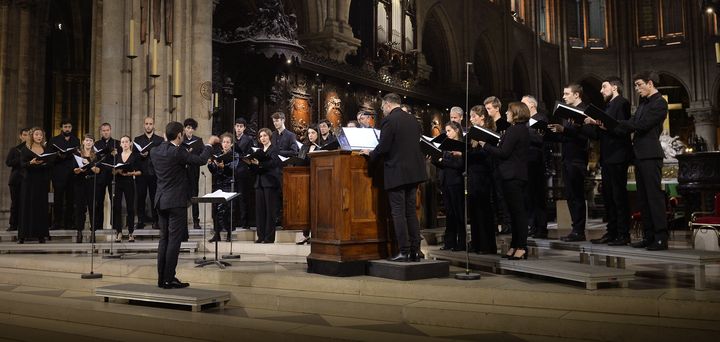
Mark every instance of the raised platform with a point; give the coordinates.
(193, 297)
(424, 269)
(590, 275)
(9, 247)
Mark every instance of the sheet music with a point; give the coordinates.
(220, 194)
(361, 138)
(79, 160)
(283, 159)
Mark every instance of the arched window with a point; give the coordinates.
(396, 24)
(660, 22)
(587, 23)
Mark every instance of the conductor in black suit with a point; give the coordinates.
(404, 170)
(170, 160)
(647, 126)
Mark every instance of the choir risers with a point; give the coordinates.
(193, 297)
(85, 247)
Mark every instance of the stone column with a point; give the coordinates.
(336, 40)
(705, 125)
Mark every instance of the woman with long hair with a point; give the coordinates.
(125, 188)
(84, 186)
(480, 188)
(512, 156)
(451, 182)
(267, 184)
(34, 217)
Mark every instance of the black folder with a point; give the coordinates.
(46, 156)
(564, 111)
(64, 150)
(118, 166)
(598, 114)
(192, 144)
(142, 149)
(258, 154)
(452, 145)
(333, 145)
(429, 148)
(483, 134)
(226, 158)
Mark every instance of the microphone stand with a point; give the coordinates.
(204, 258)
(467, 275)
(92, 275)
(232, 189)
(112, 212)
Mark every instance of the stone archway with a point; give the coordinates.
(484, 66)
(439, 46)
(520, 77)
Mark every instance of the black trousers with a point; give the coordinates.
(14, 204)
(615, 196)
(455, 234)
(651, 199)
(482, 221)
(63, 203)
(124, 188)
(536, 199)
(239, 204)
(574, 177)
(514, 191)
(145, 184)
(221, 212)
(265, 211)
(194, 183)
(503, 213)
(173, 226)
(402, 210)
(84, 195)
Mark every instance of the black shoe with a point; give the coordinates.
(228, 238)
(416, 255)
(12, 229)
(41, 240)
(574, 237)
(55, 227)
(509, 254)
(520, 253)
(658, 245)
(420, 254)
(196, 225)
(304, 241)
(79, 237)
(619, 241)
(604, 239)
(640, 244)
(21, 241)
(175, 284)
(540, 235)
(215, 238)
(401, 257)
(258, 241)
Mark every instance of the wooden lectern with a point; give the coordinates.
(296, 197)
(348, 214)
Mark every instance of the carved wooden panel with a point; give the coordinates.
(296, 197)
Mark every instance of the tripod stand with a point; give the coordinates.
(214, 199)
(92, 274)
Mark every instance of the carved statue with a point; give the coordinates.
(271, 22)
(672, 146)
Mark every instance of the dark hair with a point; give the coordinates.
(23, 130)
(266, 131)
(278, 115)
(326, 122)
(313, 127)
(65, 121)
(648, 76)
(173, 129)
(520, 111)
(88, 136)
(392, 98)
(126, 136)
(615, 81)
(456, 127)
(241, 121)
(105, 124)
(575, 88)
(190, 122)
(482, 112)
(226, 135)
(353, 122)
(494, 101)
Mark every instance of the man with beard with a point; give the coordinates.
(146, 182)
(62, 175)
(106, 149)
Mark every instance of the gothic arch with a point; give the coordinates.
(520, 77)
(484, 65)
(438, 32)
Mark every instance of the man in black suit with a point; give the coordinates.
(14, 161)
(62, 175)
(193, 145)
(574, 162)
(646, 125)
(286, 143)
(404, 170)
(615, 156)
(492, 105)
(536, 199)
(106, 149)
(243, 146)
(170, 161)
(146, 182)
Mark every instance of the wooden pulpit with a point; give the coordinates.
(296, 197)
(348, 214)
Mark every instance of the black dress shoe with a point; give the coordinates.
(228, 238)
(574, 237)
(420, 254)
(175, 284)
(520, 253)
(640, 244)
(215, 238)
(196, 225)
(401, 257)
(258, 241)
(304, 241)
(619, 241)
(658, 245)
(604, 239)
(21, 241)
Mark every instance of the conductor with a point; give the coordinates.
(172, 198)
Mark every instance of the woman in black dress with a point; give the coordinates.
(267, 184)
(34, 217)
(222, 167)
(512, 156)
(451, 182)
(125, 187)
(85, 185)
(480, 188)
(310, 144)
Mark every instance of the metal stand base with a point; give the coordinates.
(218, 263)
(467, 276)
(200, 260)
(231, 256)
(113, 256)
(91, 275)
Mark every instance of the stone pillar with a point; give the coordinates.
(705, 125)
(336, 40)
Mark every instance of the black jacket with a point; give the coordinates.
(615, 147)
(269, 173)
(400, 147)
(647, 125)
(65, 162)
(14, 160)
(170, 163)
(512, 152)
(243, 147)
(194, 169)
(222, 178)
(323, 142)
(573, 140)
(285, 143)
(145, 163)
(537, 149)
(451, 169)
(103, 151)
(480, 170)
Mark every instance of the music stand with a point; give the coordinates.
(210, 198)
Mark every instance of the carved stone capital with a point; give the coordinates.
(333, 42)
(702, 115)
